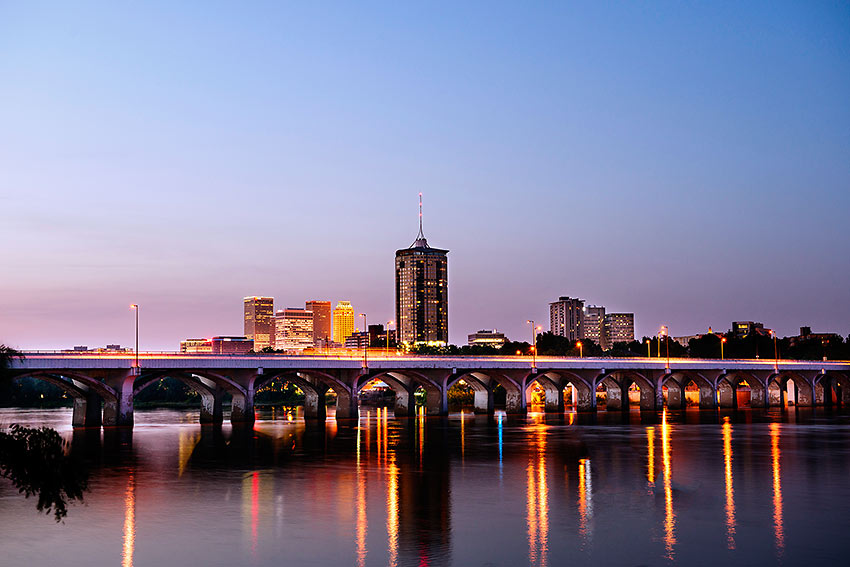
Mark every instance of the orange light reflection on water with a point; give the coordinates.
(730, 491)
(669, 514)
(392, 511)
(585, 502)
(778, 527)
(361, 522)
(537, 502)
(128, 549)
(650, 455)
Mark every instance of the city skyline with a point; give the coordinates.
(669, 160)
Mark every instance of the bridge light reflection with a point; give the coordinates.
(361, 522)
(730, 491)
(186, 442)
(129, 546)
(669, 514)
(778, 527)
(585, 502)
(650, 455)
(537, 502)
(392, 511)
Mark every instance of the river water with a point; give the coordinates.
(688, 488)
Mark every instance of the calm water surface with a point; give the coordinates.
(688, 488)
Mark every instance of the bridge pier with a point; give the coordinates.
(119, 411)
(707, 397)
(347, 405)
(436, 401)
(314, 403)
(405, 404)
(758, 395)
(87, 410)
(483, 401)
(242, 407)
(675, 400)
(211, 411)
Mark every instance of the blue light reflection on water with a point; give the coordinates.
(430, 491)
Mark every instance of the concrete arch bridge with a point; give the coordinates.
(103, 385)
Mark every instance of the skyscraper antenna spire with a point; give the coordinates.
(420, 241)
(421, 234)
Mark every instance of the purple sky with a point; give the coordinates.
(689, 163)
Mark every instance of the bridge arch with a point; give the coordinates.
(552, 393)
(779, 392)
(676, 386)
(87, 393)
(617, 385)
(582, 395)
(831, 389)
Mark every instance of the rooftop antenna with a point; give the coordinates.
(421, 234)
(420, 241)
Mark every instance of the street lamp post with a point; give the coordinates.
(533, 343)
(666, 335)
(388, 338)
(775, 351)
(722, 342)
(366, 342)
(648, 348)
(135, 308)
(580, 349)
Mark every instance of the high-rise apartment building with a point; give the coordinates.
(293, 329)
(566, 318)
(322, 322)
(343, 321)
(422, 292)
(619, 328)
(259, 321)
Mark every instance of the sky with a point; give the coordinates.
(685, 161)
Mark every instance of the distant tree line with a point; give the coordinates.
(706, 346)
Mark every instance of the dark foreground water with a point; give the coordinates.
(688, 488)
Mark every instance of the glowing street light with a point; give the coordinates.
(722, 342)
(664, 333)
(648, 348)
(388, 338)
(580, 349)
(135, 308)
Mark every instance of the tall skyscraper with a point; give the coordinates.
(422, 292)
(322, 334)
(259, 321)
(343, 321)
(566, 318)
(293, 329)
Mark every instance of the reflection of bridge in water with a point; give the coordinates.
(103, 386)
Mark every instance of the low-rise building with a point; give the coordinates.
(485, 337)
(196, 346)
(231, 345)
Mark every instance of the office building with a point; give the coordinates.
(196, 346)
(566, 318)
(422, 292)
(741, 329)
(619, 328)
(322, 322)
(593, 325)
(293, 329)
(484, 337)
(231, 345)
(343, 321)
(259, 321)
